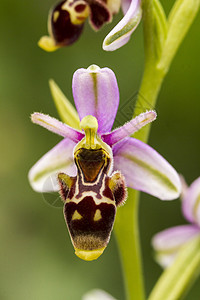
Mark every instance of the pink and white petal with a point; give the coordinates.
(191, 202)
(165, 259)
(168, 242)
(57, 127)
(146, 170)
(184, 186)
(121, 33)
(125, 5)
(96, 93)
(129, 128)
(43, 175)
(97, 295)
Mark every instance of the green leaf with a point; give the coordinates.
(181, 17)
(178, 278)
(160, 27)
(65, 109)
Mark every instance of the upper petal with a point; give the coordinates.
(191, 202)
(129, 128)
(168, 242)
(57, 127)
(121, 33)
(43, 175)
(96, 93)
(146, 170)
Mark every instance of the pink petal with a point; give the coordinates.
(191, 202)
(145, 169)
(121, 33)
(96, 93)
(168, 242)
(129, 128)
(57, 127)
(43, 175)
(125, 5)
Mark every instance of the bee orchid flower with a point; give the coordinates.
(168, 242)
(66, 21)
(91, 168)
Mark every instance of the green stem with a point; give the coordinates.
(147, 96)
(147, 6)
(126, 225)
(177, 279)
(152, 77)
(126, 230)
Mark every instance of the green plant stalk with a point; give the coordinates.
(147, 97)
(152, 77)
(126, 227)
(127, 234)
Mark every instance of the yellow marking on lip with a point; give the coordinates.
(89, 255)
(56, 16)
(93, 194)
(76, 18)
(76, 216)
(114, 181)
(48, 44)
(97, 215)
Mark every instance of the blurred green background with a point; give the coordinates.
(37, 260)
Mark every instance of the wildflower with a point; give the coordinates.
(82, 164)
(168, 242)
(66, 21)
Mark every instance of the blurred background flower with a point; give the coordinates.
(66, 21)
(168, 242)
(36, 258)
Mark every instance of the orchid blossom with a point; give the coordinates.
(66, 21)
(92, 168)
(168, 243)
